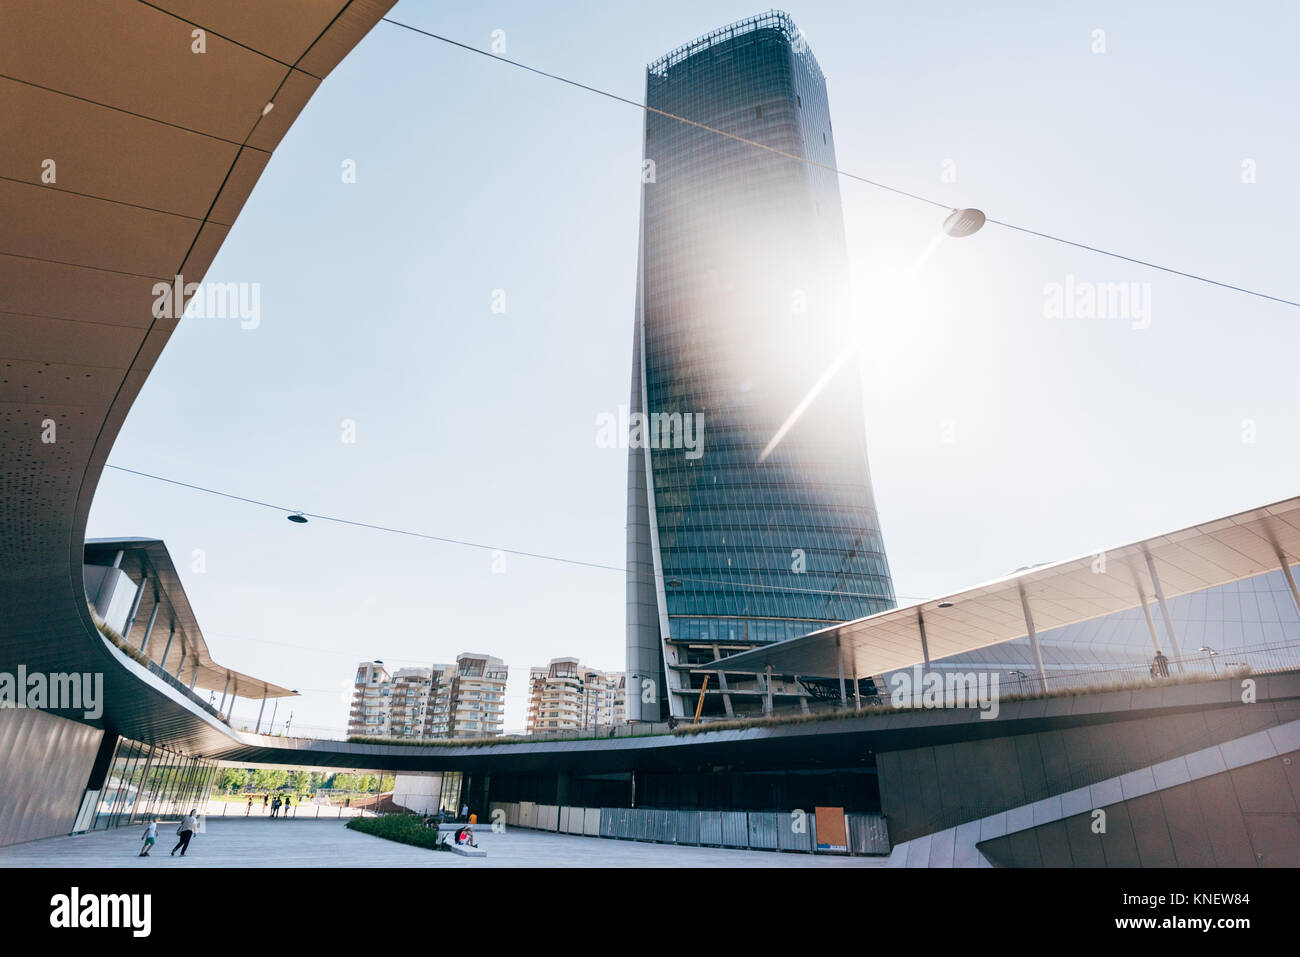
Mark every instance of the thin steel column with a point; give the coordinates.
(99, 592)
(258, 728)
(194, 677)
(768, 682)
(135, 607)
(162, 662)
(148, 629)
(1290, 578)
(1164, 610)
(925, 645)
(138, 807)
(275, 708)
(222, 708)
(1146, 613)
(839, 664)
(857, 682)
(1033, 639)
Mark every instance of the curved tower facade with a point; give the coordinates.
(741, 307)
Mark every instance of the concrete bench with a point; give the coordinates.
(464, 850)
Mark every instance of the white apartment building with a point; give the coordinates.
(465, 699)
(567, 696)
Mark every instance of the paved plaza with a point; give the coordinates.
(254, 842)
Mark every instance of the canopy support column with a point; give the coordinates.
(1146, 613)
(171, 633)
(1033, 639)
(839, 664)
(148, 629)
(857, 682)
(1290, 578)
(925, 645)
(135, 607)
(1164, 610)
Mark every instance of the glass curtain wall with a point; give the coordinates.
(147, 782)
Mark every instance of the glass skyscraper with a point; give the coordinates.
(741, 306)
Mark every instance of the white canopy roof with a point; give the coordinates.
(1079, 589)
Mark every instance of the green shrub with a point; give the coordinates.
(403, 828)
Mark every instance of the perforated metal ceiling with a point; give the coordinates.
(154, 150)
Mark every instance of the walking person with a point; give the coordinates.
(1162, 664)
(275, 807)
(186, 831)
(250, 806)
(150, 838)
(288, 803)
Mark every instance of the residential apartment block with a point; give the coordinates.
(465, 699)
(567, 695)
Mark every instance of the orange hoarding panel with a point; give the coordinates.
(831, 833)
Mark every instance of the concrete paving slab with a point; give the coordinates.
(254, 842)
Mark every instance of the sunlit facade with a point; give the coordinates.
(566, 695)
(465, 699)
(741, 307)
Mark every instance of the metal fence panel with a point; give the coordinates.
(735, 829)
(868, 833)
(666, 826)
(591, 822)
(711, 828)
(640, 824)
(548, 817)
(688, 827)
(577, 815)
(613, 821)
(527, 814)
(762, 829)
(788, 839)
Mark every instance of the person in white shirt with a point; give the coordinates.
(186, 831)
(150, 836)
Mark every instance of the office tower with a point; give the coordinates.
(742, 306)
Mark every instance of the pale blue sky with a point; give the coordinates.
(1068, 434)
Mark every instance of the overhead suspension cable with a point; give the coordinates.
(825, 166)
(670, 579)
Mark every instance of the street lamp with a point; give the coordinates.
(963, 222)
(1206, 649)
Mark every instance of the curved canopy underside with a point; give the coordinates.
(128, 152)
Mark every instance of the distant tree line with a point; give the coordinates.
(301, 783)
